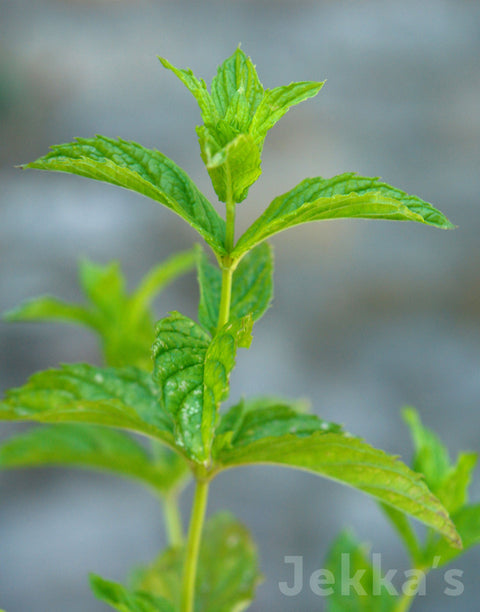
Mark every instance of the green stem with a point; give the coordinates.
(230, 226)
(227, 264)
(193, 545)
(173, 523)
(404, 603)
(201, 490)
(225, 298)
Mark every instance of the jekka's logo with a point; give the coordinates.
(323, 582)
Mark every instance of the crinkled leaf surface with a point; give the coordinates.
(237, 116)
(252, 287)
(228, 572)
(92, 447)
(192, 372)
(344, 196)
(237, 79)
(352, 462)
(120, 598)
(348, 558)
(233, 167)
(126, 398)
(258, 418)
(148, 172)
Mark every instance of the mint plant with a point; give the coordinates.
(176, 397)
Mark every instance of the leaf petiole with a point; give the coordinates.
(173, 523)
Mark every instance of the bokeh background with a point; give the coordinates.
(367, 317)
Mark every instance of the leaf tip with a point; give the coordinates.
(165, 63)
(10, 315)
(448, 225)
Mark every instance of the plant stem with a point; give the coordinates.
(230, 227)
(225, 299)
(404, 603)
(201, 490)
(173, 523)
(227, 264)
(193, 545)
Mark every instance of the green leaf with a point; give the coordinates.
(233, 167)
(159, 277)
(467, 522)
(228, 571)
(236, 90)
(179, 355)
(431, 457)
(454, 490)
(123, 322)
(210, 286)
(257, 418)
(148, 172)
(117, 596)
(403, 527)
(51, 309)
(192, 372)
(344, 196)
(348, 558)
(237, 116)
(276, 102)
(252, 287)
(352, 462)
(92, 447)
(199, 90)
(449, 482)
(103, 285)
(126, 398)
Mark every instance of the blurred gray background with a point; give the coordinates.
(367, 317)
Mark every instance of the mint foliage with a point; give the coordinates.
(94, 448)
(276, 102)
(123, 322)
(257, 418)
(344, 196)
(150, 173)
(351, 461)
(366, 595)
(232, 161)
(450, 483)
(120, 598)
(126, 398)
(252, 287)
(192, 371)
(179, 405)
(228, 568)
(236, 90)
(237, 115)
